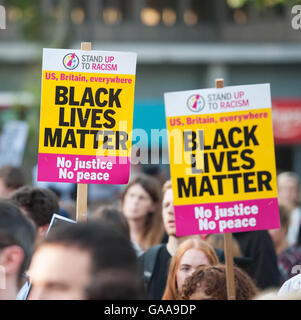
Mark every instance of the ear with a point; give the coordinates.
(43, 229)
(11, 259)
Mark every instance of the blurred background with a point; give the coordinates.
(181, 45)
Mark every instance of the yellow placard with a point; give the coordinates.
(222, 157)
(86, 114)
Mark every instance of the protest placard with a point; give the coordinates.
(222, 159)
(86, 116)
(57, 221)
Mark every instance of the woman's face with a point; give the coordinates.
(137, 203)
(190, 261)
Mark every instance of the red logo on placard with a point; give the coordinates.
(71, 61)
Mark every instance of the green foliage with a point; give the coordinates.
(32, 21)
(262, 4)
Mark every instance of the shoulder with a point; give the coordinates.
(151, 254)
(258, 236)
(137, 249)
(290, 286)
(153, 251)
(149, 261)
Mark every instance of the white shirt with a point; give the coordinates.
(291, 286)
(24, 291)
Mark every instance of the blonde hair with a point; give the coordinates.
(171, 290)
(166, 186)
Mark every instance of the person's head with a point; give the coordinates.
(141, 201)
(64, 265)
(38, 205)
(115, 284)
(114, 217)
(217, 241)
(168, 213)
(17, 236)
(288, 189)
(279, 235)
(11, 179)
(209, 283)
(191, 254)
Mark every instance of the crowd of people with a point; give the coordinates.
(128, 248)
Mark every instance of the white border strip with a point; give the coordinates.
(258, 96)
(110, 62)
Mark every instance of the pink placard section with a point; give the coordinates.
(83, 169)
(227, 217)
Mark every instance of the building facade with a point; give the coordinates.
(181, 45)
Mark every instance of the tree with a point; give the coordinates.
(262, 4)
(35, 20)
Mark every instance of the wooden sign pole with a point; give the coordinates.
(82, 189)
(219, 83)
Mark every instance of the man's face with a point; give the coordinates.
(168, 213)
(59, 272)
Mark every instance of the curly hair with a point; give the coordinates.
(213, 280)
(39, 204)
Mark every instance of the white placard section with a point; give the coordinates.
(71, 60)
(227, 99)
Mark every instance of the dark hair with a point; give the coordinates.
(284, 217)
(153, 229)
(15, 229)
(113, 217)
(12, 177)
(213, 280)
(108, 247)
(115, 284)
(40, 204)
